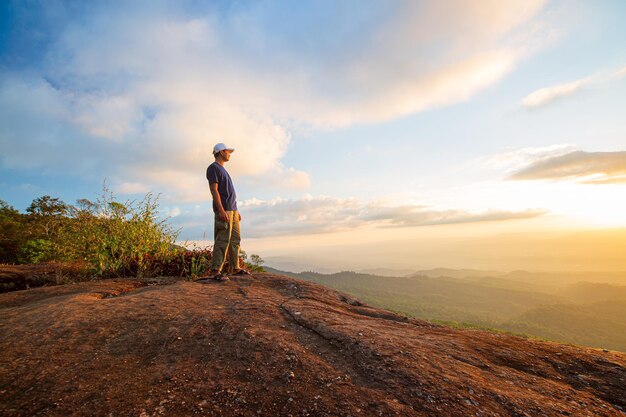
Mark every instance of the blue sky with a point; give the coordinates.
(390, 120)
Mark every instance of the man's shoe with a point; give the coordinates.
(212, 275)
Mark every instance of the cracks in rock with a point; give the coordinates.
(341, 355)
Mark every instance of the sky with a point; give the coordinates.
(367, 134)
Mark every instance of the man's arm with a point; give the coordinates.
(218, 202)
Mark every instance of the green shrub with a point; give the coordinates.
(105, 237)
(118, 239)
(35, 251)
(185, 263)
(254, 264)
(13, 233)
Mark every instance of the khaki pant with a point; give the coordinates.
(227, 238)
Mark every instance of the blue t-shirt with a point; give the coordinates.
(216, 173)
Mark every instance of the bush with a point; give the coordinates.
(118, 239)
(185, 263)
(255, 262)
(103, 238)
(12, 233)
(35, 251)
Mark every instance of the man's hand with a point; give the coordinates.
(239, 216)
(223, 216)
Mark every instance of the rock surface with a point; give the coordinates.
(268, 345)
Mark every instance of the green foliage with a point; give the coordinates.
(12, 233)
(45, 216)
(35, 251)
(106, 236)
(47, 206)
(6, 209)
(598, 324)
(183, 262)
(119, 239)
(254, 264)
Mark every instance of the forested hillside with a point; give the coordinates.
(550, 306)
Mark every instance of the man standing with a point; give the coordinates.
(227, 237)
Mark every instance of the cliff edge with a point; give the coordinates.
(269, 345)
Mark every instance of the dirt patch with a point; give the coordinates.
(274, 346)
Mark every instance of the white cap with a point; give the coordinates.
(221, 147)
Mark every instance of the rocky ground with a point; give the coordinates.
(268, 345)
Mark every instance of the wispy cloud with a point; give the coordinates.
(515, 160)
(580, 166)
(547, 95)
(323, 214)
(140, 93)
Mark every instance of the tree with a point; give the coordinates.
(12, 232)
(47, 206)
(255, 261)
(47, 212)
(7, 210)
(86, 206)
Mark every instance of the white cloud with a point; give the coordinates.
(140, 94)
(294, 179)
(547, 95)
(513, 161)
(132, 188)
(583, 167)
(173, 212)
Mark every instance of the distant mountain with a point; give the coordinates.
(562, 279)
(457, 273)
(601, 324)
(285, 263)
(589, 292)
(386, 272)
(519, 303)
(550, 280)
(442, 298)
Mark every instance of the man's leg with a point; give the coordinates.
(234, 243)
(221, 236)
